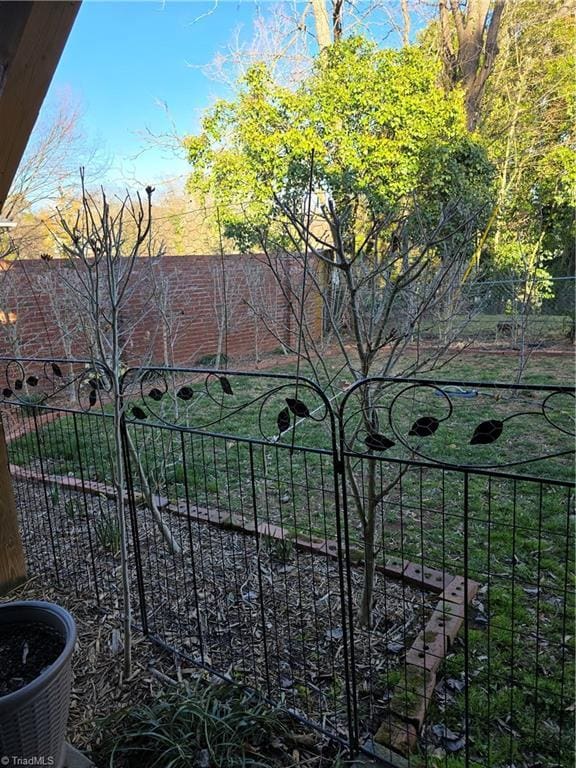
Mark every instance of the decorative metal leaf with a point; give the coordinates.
(283, 420)
(138, 413)
(18, 384)
(184, 393)
(7, 392)
(32, 381)
(56, 370)
(377, 442)
(424, 426)
(226, 386)
(487, 432)
(156, 394)
(94, 383)
(92, 397)
(297, 407)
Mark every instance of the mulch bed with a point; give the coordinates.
(269, 616)
(99, 689)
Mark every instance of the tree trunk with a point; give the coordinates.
(121, 514)
(323, 33)
(369, 531)
(171, 542)
(405, 23)
(477, 46)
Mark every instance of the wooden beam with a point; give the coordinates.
(32, 38)
(12, 562)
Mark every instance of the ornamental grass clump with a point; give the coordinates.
(200, 725)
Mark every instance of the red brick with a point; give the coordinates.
(193, 290)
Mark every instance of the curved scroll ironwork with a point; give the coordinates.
(40, 383)
(457, 424)
(274, 405)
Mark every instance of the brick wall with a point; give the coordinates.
(175, 309)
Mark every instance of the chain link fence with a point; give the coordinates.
(513, 312)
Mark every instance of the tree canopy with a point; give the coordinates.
(528, 128)
(380, 126)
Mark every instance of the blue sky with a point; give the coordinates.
(123, 58)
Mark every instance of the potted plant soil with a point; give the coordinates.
(36, 644)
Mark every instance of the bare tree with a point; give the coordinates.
(287, 38)
(377, 291)
(102, 257)
(280, 38)
(62, 299)
(49, 168)
(170, 317)
(9, 299)
(377, 19)
(266, 306)
(20, 304)
(227, 299)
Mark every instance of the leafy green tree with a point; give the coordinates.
(528, 127)
(377, 121)
(366, 176)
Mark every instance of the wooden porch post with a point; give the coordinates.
(12, 562)
(32, 38)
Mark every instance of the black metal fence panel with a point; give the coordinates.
(394, 566)
(475, 480)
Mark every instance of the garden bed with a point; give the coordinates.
(262, 613)
(101, 699)
(513, 536)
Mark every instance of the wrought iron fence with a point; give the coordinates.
(257, 506)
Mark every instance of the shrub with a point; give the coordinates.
(209, 361)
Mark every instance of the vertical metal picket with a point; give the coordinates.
(134, 524)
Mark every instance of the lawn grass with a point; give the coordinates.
(496, 365)
(540, 328)
(512, 534)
